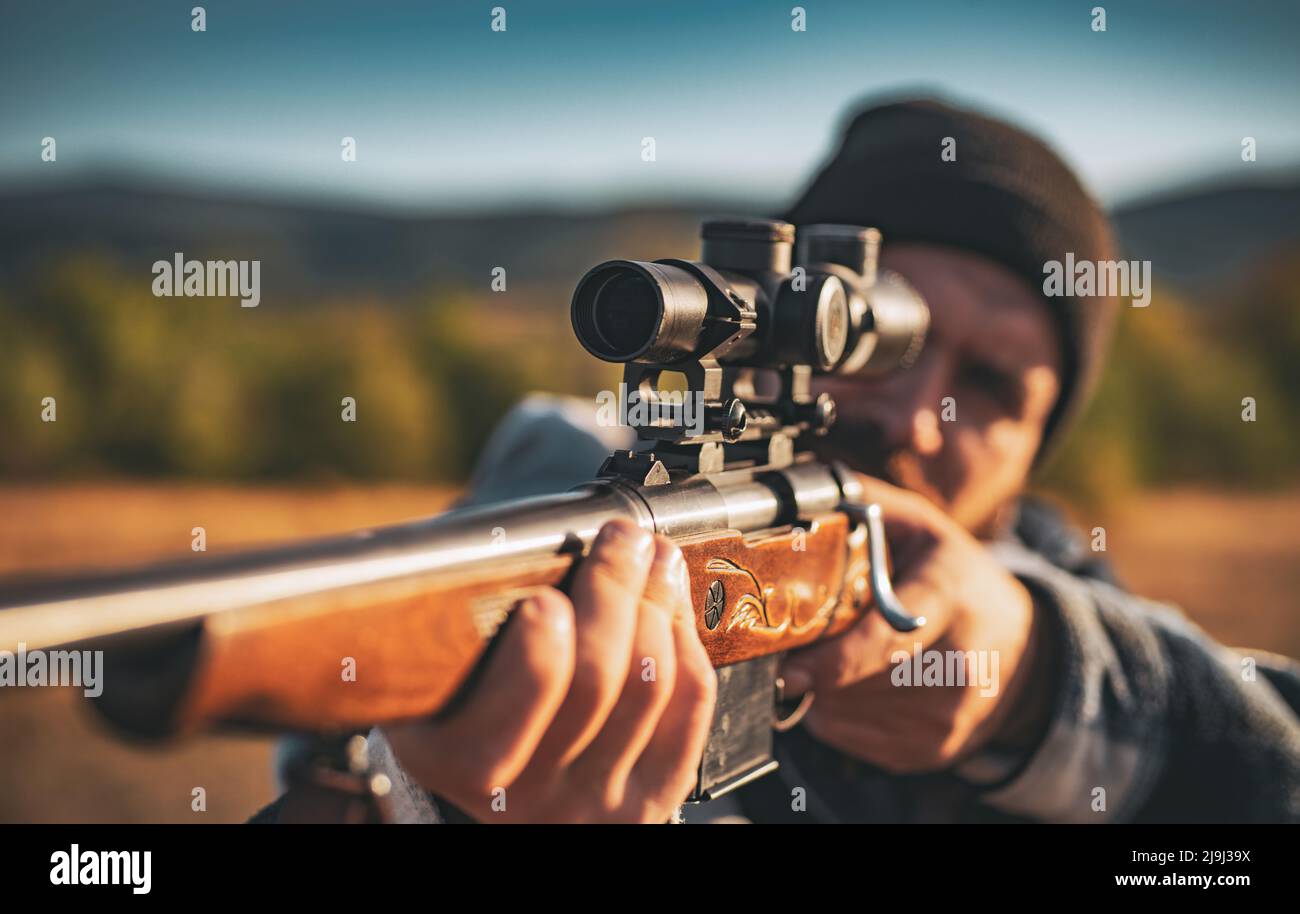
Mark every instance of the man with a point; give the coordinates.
(1106, 707)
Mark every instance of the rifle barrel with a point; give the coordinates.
(73, 610)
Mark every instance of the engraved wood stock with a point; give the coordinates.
(760, 594)
(413, 642)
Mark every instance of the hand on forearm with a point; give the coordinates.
(569, 722)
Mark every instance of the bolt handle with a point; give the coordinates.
(882, 589)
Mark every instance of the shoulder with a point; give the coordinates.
(545, 444)
(1042, 528)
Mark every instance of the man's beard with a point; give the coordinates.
(864, 449)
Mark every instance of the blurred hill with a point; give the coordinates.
(1200, 239)
(312, 251)
(395, 308)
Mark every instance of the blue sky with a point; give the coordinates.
(448, 113)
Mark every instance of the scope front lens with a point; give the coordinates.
(639, 311)
(617, 311)
(625, 313)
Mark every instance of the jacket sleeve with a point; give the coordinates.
(1152, 720)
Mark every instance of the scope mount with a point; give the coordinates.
(721, 422)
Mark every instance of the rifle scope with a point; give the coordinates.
(743, 304)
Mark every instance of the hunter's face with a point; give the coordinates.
(993, 349)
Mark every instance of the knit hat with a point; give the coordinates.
(1004, 195)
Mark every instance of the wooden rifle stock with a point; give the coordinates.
(412, 643)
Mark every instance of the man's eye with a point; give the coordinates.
(993, 381)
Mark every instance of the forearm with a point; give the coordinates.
(1149, 719)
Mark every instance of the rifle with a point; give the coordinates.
(780, 548)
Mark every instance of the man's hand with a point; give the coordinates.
(971, 603)
(590, 709)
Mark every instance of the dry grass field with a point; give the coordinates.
(1232, 561)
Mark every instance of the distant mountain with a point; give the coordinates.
(310, 251)
(1198, 239)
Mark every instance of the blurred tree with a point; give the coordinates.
(1168, 411)
(199, 387)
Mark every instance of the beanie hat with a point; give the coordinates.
(1005, 195)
